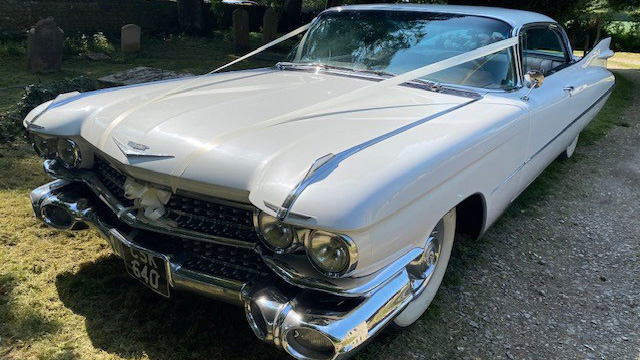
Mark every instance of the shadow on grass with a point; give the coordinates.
(125, 318)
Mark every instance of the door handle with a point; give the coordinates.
(569, 89)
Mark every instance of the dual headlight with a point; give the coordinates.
(65, 150)
(332, 254)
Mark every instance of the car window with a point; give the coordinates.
(397, 42)
(543, 50)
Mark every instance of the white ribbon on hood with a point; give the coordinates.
(342, 99)
(184, 87)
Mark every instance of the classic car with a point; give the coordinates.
(323, 194)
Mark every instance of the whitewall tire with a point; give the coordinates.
(568, 152)
(428, 278)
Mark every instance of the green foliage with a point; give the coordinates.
(34, 95)
(80, 44)
(11, 48)
(625, 36)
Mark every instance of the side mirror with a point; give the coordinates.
(534, 79)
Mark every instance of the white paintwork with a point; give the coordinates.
(386, 197)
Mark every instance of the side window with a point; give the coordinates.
(543, 50)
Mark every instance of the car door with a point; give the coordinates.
(551, 107)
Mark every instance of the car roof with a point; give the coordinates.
(515, 18)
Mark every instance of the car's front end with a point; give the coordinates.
(296, 284)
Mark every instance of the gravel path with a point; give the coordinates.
(559, 280)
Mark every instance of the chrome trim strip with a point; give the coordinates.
(571, 124)
(292, 271)
(554, 139)
(329, 163)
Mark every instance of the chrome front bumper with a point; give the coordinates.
(285, 315)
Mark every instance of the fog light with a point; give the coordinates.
(311, 343)
(69, 153)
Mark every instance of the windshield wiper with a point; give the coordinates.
(333, 67)
(429, 85)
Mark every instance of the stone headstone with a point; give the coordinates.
(45, 47)
(241, 30)
(269, 25)
(130, 38)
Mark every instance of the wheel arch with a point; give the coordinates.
(471, 216)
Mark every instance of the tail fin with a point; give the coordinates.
(599, 54)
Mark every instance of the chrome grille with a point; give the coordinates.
(212, 259)
(201, 216)
(223, 261)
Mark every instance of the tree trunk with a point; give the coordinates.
(599, 26)
(291, 14)
(191, 16)
(586, 44)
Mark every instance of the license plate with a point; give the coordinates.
(150, 269)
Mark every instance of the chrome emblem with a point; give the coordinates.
(138, 150)
(137, 146)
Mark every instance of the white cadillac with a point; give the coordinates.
(323, 194)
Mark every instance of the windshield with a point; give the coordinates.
(399, 41)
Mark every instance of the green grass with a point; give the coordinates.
(63, 296)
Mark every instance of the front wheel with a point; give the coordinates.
(427, 270)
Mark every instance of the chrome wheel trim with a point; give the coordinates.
(421, 268)
(426, 286)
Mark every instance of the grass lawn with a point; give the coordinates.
(63, 296)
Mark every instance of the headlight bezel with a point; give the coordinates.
(84, 154)
(50, 145)
(297, 235)
(77, 153)
(350, 249)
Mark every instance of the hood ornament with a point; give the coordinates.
(136, 149)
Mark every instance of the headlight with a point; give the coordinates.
(45, 148)
(69, 153)
(277, 235)
(334, 255)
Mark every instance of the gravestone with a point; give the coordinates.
(269, 25)
(45, 47)
(130, 38)
(241, 30)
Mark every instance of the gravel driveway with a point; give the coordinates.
(556, 279)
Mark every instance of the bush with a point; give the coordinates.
(81, 44)
(34, 95)
(625, 36)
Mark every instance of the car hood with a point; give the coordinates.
(214, 127)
